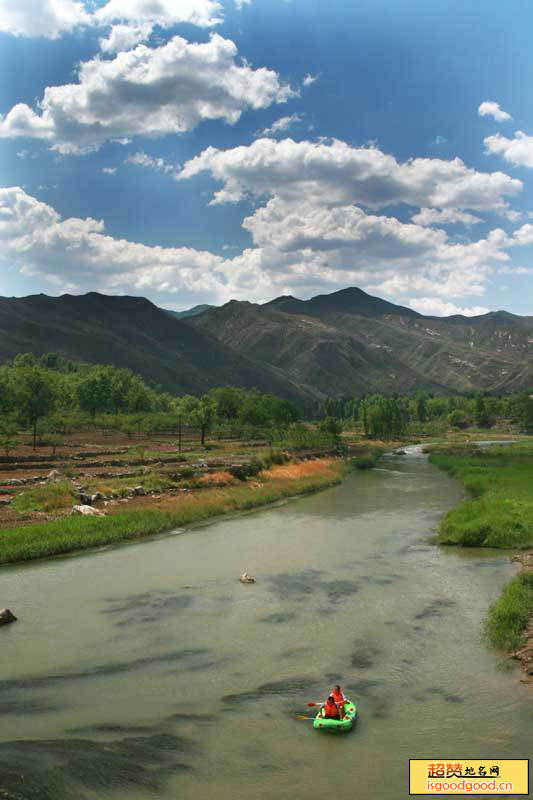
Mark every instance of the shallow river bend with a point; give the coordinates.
(148, 670)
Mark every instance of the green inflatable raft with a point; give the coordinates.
(337, 725)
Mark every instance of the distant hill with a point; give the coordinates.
(190, 312)
(344, 343)
(350, 342)
(133, 332)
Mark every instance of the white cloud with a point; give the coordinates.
(281, 125)
(24, 154)
(310, 79)
(109, 170)
(518, 151)
(523, 236)
(491, 109)
(164, 13)
(144, 160)
(516, 270)
(241, 3)
(314, 250)
(147, 91)
(47, 18)
(77, 254)
(440, 140)
(447, 216)
(124, 37)
(433, 307)
(334, 173)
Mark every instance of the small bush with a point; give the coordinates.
(363, 462)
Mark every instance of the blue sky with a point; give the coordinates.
(198, 151)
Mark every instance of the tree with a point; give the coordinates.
(525, 413)
(481, 414)
(331, 426)
(8, 439)
(94, 391)
(203, 415)
(35, 396)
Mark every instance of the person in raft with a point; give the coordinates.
(339, 698)
(329, 709)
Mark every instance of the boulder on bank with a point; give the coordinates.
(54, 475)
(140, 491)
(6, 616)
(87, 511)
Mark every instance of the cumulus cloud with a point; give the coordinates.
(313, 250)
(109, 170)
(77, 253)
(523, 236)
(47, 18)
(164, 13)
(492, 109)
(334, 173)
(281, 125)
(125, 37)
(147, 91)
(433, 307)
(144, 160)
(517, 151)
(446, 216)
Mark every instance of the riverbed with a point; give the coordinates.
(148, 670)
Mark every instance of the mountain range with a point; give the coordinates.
(343, 343)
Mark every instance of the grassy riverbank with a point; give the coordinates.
(146, 517)
(508, 617)
(499, 511)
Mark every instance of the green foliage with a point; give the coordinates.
(458, 419)
(8, 435)
(244, 471)
(331, 426)
(365, 461)
(500, 513)
(384, 417)
(34, 393)
(510, 614)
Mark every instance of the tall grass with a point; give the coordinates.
(69, 534)
(509, 615)
(52, 497)
(499, 512)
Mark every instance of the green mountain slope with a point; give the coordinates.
(132, 332)
(350, 342)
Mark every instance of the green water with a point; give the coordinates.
(148, 670)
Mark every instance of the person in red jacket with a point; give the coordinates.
(339, 699)
(330, 710)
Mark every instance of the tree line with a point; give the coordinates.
(384, 417)
(51, 391)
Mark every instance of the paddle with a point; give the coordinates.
(311, 705)
(299, 717)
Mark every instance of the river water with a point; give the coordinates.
(148, 670)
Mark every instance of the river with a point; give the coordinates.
(148, 670)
